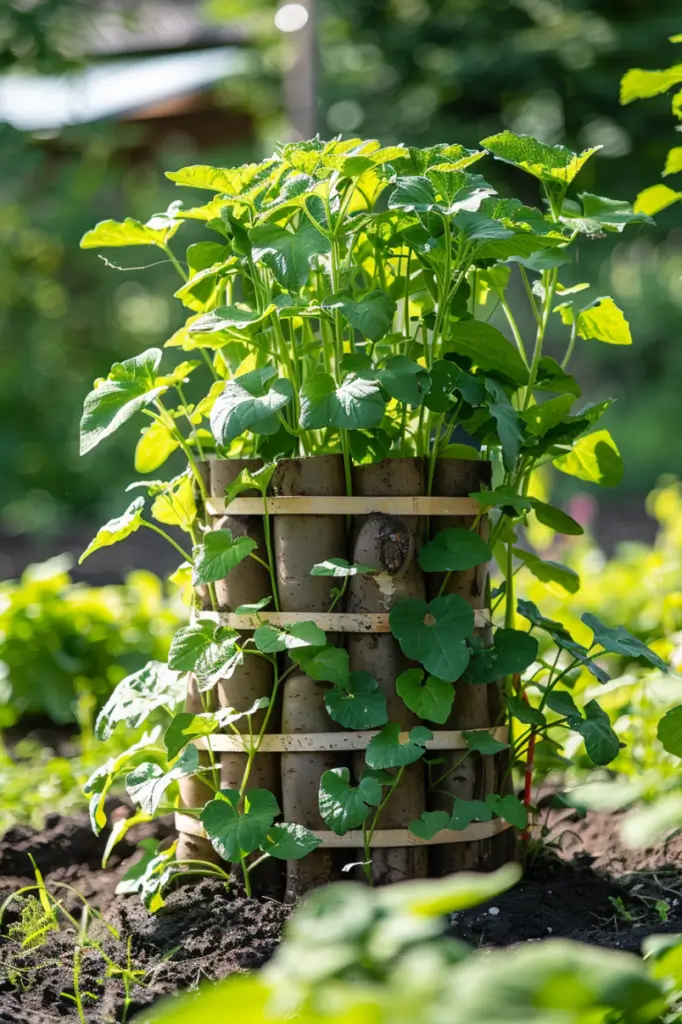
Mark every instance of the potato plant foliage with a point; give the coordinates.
(341, 303)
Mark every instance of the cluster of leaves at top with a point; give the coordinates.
(342, 307)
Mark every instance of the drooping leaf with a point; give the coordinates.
(372, 315)
(147, 783)
(176, 505)
(638, 84)
(556, 518)
(218, 661)
(524, 712)
(562, 703)
(113, 233)
(156, 444)
(482, 742)
(428, 697)
(288, 254)
(617, 640)
(233, 181)
(550, 572)
(509, 429)
(602, 320)
(189, 643)
(136, 696)
(289, 842)
(218, 555)
(601, 214)
(488, 349)
(434, 634)
(357, 403)
(343, 806)
(594, 458)
(512, 652)
(656, 198)
(360, 704)
(130, 386)
(116, 529)
(454, 549)
(548, 163)
(249, 402)
(392, 748)
(235, 832)
(601, 742)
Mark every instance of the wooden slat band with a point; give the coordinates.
(382, 838)
(301, 505)
(272, 743)
(330, 622)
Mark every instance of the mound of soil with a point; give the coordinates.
(584, 885)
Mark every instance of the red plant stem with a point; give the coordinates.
(530, 764)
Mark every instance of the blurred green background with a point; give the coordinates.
(133, 89)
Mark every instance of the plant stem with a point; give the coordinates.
(166, 536)
(178, 266)
(369, 833)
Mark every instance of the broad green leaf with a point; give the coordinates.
(488, 349)
(638, 84)
(454, 549)
(247, 403)
(189, 643)
(483, 743)
(551, 377)
(218, 555)
(130, 386)
(253, 609)
(116, 529)
(360, 704)
(428, 697)
(419, 160)
(444, 380)
(531, 612)
(113, 233)
(288, 254)
(176, 505)
(656, 198)
(508, 422)
(550, 572)
(218, 661)
(548, 163)
(185, 727)
(466, 811)
(131, 881)
(429, 824)
(137, 696)
(271, 639)
(330, 665)
(509, 808)
(233, 181)
(258, 480)
(594, 458)
(556, 518)
(669, 731)
(524, 712)
(673, 161)
(602, 320)
(434, 634)
(154, 447)
(561, 702)
(235, 833)
(357, 403)
(601, 214)
(338, 567)
(289, 842)
(502, 497)
(617, 640)
(582, 656)
(512, 651)
(445, 191)
(405, 380)
(342, 806)
(392, 748)
(545, 416)
(372, 315)
(601, 742)
(225, 318)
(147, 783)
(475, 227)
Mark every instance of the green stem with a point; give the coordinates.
(271, 558)
(369, 833)
(178, 266)
(162, 533)
(511, 320)
(571, 344)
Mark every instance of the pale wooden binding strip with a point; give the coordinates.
(300, 505)
(443, 739)
(383, 837)
(330, 622)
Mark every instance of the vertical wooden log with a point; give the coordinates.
(246, 584)
(389, 545)
(476, 706)
(300, 542)
(194, 792)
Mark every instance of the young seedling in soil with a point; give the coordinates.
(340, 317)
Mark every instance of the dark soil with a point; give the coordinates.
(584, 885)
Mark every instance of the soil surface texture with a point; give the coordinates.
(583, 885)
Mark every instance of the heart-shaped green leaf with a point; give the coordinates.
(235, 833)
(488, 349)
(601, 742)
(509, 808)
(136, 696)
(405, 380)
(454, 550)
(357, 403)
(372, 315)
(289, 842)
(429, 698)
(130, 386)
(429, 824)
(466, 811)
(189, 643)
(360, 704)
(116, 529)
(512, 651)
(343, 806)
(288, 254)
(147, 783)
(218, 555)
(548, 163)
(434, 634)
(330, 665)
(595, 458)
(271, 639)
(248, 403)
(392, 748)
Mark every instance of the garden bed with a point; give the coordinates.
(588, 888)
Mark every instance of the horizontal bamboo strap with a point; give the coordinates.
(301, 505)
(330, 622)
(383, 837)
(443, 739)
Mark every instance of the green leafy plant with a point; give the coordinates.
(343, 307)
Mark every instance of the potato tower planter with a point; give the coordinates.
(356, 440)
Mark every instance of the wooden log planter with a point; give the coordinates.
(377, 535)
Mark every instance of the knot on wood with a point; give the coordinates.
(386, 544)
